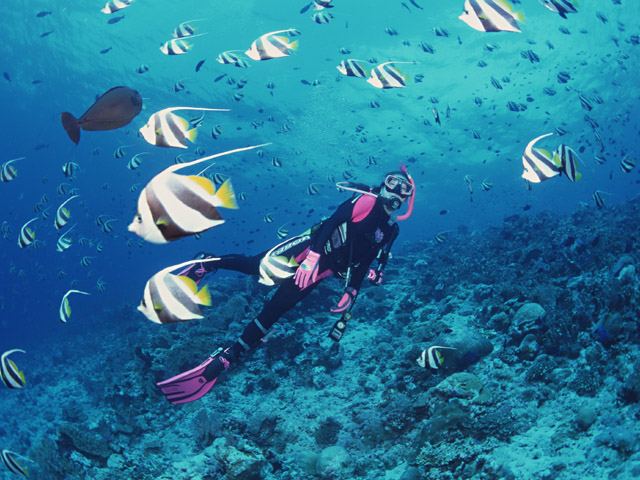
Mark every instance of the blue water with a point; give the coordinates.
(65, 71)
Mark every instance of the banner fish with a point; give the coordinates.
(65, 308)
(11, 375)
(538, 164)
(270, 46)
(166, 129)
(114, 109)
(170, 298)
(491, 16)
(173, 206)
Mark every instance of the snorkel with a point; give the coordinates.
(404, 170)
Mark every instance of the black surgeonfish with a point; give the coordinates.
(114, 109)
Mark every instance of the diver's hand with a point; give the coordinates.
(374, 277)
(348, 297)
(307, 272)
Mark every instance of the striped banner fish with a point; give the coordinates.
(65, 307)
(27, 236)
(170, 298)
(185, 29)
(62, 214)
(166, 129)
(173, 206)
(178, 46)
(115, 5)
(491, 16)
(351, 68)
(8, 458)
(11, 375)
(63, 242)
(386, 75)
(538, 164)
(432, 357)
(270, 46)
(7, 171)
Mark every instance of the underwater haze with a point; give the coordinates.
(478, 248)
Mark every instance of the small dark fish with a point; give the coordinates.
(105, 50)
(305, 8)
(36, 82)
(220, 77)
(444, 212)
(46, 34)
(113, 109)
(199, 65)
(113, 20)
(43, 13)
(6, 76)
(413, 2)
(40, 146)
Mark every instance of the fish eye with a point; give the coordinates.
(143, 303)
(138, 218)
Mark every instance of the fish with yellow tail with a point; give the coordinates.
(11, 375)
(432, 357)
(271, 45)
(170, 298)
(166, 129)
(173, 206)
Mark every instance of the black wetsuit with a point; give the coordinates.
(348, 241)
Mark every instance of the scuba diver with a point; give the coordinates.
(360, 230)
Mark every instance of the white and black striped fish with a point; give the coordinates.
(27, 236)
(321, 17)
(275, 268)
(432, 357)
(491, 16)
(135, 161)
(627, 164)
(185, 29)
(85, 261)
(386, 75)
(177, 46)
(62, 215)
(567, 160)
(69, 169)
(170, 298)
(313, 189)
(65, 307)
(9, 460)
(352, 68)
(115, 5)
(173, 206)
(270, 45)
(166, 129)
(228, 57)
(8, 172)
(561, 7)
(12, 377)
(282, 232)
(538, 164)
(598, 198)
(63, 242)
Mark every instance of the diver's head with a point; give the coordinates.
(396, 189)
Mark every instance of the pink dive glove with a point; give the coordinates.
(374, 277)
(307, 272)
(345, 302)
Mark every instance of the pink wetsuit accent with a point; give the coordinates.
(362, 208)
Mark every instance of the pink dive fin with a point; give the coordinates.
(188, 386)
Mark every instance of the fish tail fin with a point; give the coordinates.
(204, 297)
(191, 134)
(294, 45)
(578, 176)
(519, 16)
(71, 126)
(226, 195)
